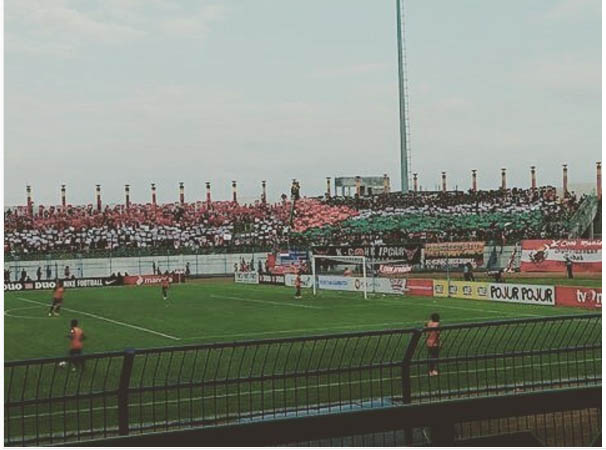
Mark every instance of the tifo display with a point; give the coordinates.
(394, 223)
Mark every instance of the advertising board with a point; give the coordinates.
(500, 292)
(306, 280)
(522, 293)
(469, 289)
(271, 279)
(580, 297)
(68, 284)
(246, 277)
(419, 287)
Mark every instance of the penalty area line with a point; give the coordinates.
(106, 319)
(266, 302)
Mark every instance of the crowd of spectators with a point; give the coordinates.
(422, 217)
(185, 227)
(497, 216)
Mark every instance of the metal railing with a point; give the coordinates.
(565, 417)
(164, 389)
(583, 216)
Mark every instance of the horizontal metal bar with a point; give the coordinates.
(269, 341)
(65, 398)
(310, 428)
(455, 326)
(553, 384)
(58, 359)
(523, 353)
(261, 378)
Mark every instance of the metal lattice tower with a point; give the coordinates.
(405, 160)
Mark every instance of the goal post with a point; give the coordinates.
(340, 261)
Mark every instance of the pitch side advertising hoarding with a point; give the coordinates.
(522, 293)
(271, 279)
(500, 292)
(246, 277)
(580, 297)
(419, 287)
(306, 280)
(461, 289)
(68, 284)
(148, 280)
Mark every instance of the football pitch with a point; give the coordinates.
(220, 382)
(217, 311)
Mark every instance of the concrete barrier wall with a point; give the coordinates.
(101, 267)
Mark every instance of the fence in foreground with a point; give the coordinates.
(207, 386)
(565, 417)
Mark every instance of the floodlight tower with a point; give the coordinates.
(403, 94)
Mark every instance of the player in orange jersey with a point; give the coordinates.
(76, 338)
(57, 299)
(165, 286)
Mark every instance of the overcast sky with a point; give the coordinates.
(141, 91)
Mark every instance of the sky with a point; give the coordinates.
(138, 91)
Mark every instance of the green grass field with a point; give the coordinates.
(190, 385)
(121, 317)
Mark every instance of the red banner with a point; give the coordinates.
(551, 255)
(146, 280)
(581, 297)
(282, 270)
(417, 286)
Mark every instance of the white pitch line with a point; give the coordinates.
(328, 329)
(462, 308)
(15, 316)
(106, 319)
(306, 387)
(242, 299)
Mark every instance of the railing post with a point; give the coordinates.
(127, 369)
(406, 388)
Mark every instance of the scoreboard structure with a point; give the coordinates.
(362, 186)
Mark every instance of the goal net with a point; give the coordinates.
(339, 273)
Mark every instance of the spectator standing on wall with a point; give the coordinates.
(569, 268)
(466, 272)
(66, 272)
(154, 267)
(7, 275)
(433, 343)
(48, 273)
(187, 270)
(23, 275)
(260, 265)
(39, 273)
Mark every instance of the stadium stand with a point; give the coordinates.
(499, 216)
